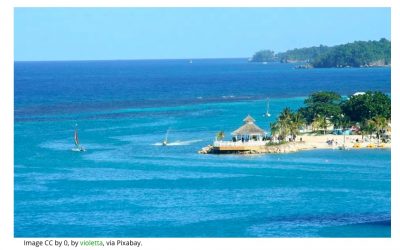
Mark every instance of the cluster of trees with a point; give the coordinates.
(356, 54)
(302, 55)
(264, 56)
(288, 123)
(370, 111)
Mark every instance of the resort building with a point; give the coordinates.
(246, 137)
(358, 93)
(248, 132)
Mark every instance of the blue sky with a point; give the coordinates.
(163, 33)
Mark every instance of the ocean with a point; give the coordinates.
(127, 185)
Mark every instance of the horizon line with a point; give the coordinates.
(188, 58)
(148, 59)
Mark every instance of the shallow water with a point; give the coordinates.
(127, 185)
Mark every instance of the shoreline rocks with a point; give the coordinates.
(267, 149)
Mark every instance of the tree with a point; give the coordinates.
(281, 127)
(378, 124)
(356, 54)
(288, 123)
(303, 54)
(263, 56)
(296, 122)
(343, 122)
(220, 135)
(321, 104)
(363, 107)
(284, 122)
(367, 128)
(275, 129)
(320, 122)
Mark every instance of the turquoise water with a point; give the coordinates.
(126, 185)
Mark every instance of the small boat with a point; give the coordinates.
(165, 142)
(78, 147)
(267, 114)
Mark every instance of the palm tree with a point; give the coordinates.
(367, 128)
(220, 135)
(296, 122)
(275, 129)
(378, 124)
(345, 122)
(320, 122)
(288, 123)
(286, 114)
(284, 121)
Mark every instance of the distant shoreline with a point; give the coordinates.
(245, 59)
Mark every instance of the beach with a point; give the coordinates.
(307, 142)
(350, 141)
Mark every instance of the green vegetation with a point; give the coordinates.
(302, 55)
(370, 112)
(321, 105)
(288, 123)
(364, 107)
(378, 125)
(356, 54)
(220, 135)
(263, 56)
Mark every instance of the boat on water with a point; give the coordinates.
(165, 141)
(267, 114)
(78, 147)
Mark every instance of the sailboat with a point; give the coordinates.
(267, 114)
(78, 147)
(165, 142)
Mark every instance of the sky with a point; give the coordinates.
(43, 34)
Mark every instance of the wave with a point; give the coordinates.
(177, 143)
(62, 145)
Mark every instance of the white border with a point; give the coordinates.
(7, 240)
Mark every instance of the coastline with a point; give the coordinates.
(309, 142)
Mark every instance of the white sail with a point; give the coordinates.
(76, 139)
(78, 147)
(166, 138)
(267, 114)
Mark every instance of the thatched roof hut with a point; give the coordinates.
(249, 129)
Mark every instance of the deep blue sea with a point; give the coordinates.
(127, 185)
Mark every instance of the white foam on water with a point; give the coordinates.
(177, 143)
(62, 145)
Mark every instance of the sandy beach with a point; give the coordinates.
(303, 142)
(321, 141)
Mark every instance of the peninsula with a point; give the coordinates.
(327, 121)
(355, 54)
